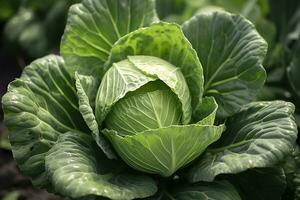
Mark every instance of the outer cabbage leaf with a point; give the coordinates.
(87, 87)
(205, 113)
(165, 41)
(131, 74)
(203, 191)
(231, 52)
(95, 25)
(260, 183)
(78, 168)
(260, 135)
(164, 150)
(38, 107)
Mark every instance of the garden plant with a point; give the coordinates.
(138, 108)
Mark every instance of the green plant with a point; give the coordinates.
(33, 28)
(132, 108)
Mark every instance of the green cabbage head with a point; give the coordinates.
(145, 107)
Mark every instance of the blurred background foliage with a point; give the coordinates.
(32, 28)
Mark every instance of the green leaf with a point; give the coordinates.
(208, 9)
(8, 9)
(204, 191)
(33, 40)
(292, 172)
(205, 113)
(14, 26)
(121, 78)
(260, 135)
(231, 52)
(276, 75)
(89, 85)
(54, 13)
(15, 195)
(40, 6)
(292, 162)
(77, 168)
(38, 107)
(163, 151)
(293, 71)
(297, 118)
(25, 31)
(260, 183)
(166, 8)
(165, 41)
(4, 141)
(170, 75)
(131, 74)
(268, 93)
(267, 30)
(95, 25)
(296, 182)
(145, 111)
(86, 90)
